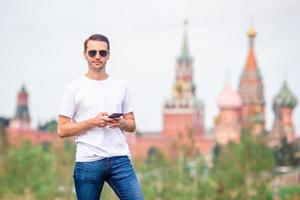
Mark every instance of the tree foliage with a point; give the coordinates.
(49, 126)
(27, 168)
(239, 169)
(287, 154)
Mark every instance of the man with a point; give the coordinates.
(102, 153)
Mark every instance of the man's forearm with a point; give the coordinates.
(69, 129)
(129, 125)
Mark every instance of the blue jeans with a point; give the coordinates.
(117, 171)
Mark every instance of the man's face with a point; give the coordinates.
(96, 61)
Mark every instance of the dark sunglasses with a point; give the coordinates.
(93, 53)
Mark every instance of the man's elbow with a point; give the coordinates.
(131, 129)
(61, 133)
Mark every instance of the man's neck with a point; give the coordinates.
(97, 75)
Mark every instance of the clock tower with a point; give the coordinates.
(183, 113)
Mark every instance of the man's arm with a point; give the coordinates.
(67, 128)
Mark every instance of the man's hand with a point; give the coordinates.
(102, 120)
(126, 123)
(117, 123)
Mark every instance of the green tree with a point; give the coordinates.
(27, 168)
(50, 126)
(182, 178)
(239, 169)
(64, 165)
(3, 138)
(287, 154)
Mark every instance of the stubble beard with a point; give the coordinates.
(97, 69)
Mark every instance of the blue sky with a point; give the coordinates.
(42, 44)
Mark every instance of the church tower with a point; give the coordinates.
(21, 119)
(283, 106)
(227, 124)
(183, 113)
(251, 91)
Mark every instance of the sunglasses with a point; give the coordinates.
(93, 53)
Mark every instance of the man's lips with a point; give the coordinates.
(97, 62)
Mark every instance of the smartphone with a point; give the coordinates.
(115, 115)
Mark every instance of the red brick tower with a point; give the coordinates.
(21, 119)
(183, 113)
(251, 91)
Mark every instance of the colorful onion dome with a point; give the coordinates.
(285, 98)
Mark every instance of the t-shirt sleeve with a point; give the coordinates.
(127, 105)
(68, 105)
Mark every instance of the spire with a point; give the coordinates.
(184, 56)
(22, 104)
(184, 69)
(251, 61)
(251, 34)
(251, 86)
(23, 89)
(251, 90)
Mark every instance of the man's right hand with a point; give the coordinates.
(102, 120)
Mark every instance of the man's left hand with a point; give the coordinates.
(117, 123)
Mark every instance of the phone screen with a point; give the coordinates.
(115, 115)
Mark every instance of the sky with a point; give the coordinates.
(41, 44)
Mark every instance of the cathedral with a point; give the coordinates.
(241, 111)
(244, 110)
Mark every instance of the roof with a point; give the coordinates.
(228, 98)
(285, 98)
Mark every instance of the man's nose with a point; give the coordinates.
(97, 55)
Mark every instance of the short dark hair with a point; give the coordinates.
(96, 37)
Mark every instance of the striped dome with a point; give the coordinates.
(285, 97)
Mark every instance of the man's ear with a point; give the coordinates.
(84, 54)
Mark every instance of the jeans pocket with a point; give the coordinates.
(89, 170)
(121, 160)
(85, 167)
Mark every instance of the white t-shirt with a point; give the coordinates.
(83, 99)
